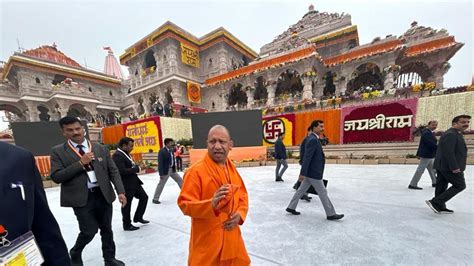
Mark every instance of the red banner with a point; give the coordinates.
(384, 122)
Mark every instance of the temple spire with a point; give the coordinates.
(111, 66)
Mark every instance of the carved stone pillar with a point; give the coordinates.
(388, 82)
(307, 87)
(147, 103)
(271, 88)
(222, 61)
(172, 58)
(250, 97)
(32, 111)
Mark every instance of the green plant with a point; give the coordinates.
(411, 156)
(333, 157)
(289, 154)
(382, 157)
(368, 157)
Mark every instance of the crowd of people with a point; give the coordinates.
(212, 192)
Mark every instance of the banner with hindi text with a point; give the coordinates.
(189, 55)
(383, 122)
(146, 134)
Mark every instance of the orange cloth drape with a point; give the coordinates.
(332, 124)
(112, 134)
(43, 163)
(305, 52)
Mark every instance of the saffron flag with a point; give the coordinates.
(194, 92)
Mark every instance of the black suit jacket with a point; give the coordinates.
(164, 161)
(68, 171)
(128, 173)
(19, 216)
(280, 150)
(452, 152)
(302, 150)
(428, 145)
(313, 160)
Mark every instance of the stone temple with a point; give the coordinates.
(318, 57)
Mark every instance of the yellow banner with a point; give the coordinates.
(194, 92)
(276, 126)
(189, 55)
(145, 136)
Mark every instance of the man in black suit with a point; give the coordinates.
(85, 171)
(313, 170)
(166, 168)
(280, 156)
(24, 207)
(450, 164)
(426, 152)
(133, 185)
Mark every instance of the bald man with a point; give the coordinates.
(215, 197)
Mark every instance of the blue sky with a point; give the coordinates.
(81, 29)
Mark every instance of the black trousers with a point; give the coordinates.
(142, 197)
(179, 164)
(442, 193)
(97, 214)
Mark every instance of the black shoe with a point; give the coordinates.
(130, 228)
(296, 185)
(279, 179)
(335, 217)
(156, 201)
(433, 185)
(446, 211)
(76, 259)
(294, 212)
(142, 221)
(433, 206)
(304, 197)
(113, 262)
(414, 187)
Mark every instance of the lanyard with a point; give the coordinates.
(126, 155)
(75, 150)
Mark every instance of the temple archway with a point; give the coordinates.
(12, 113)
(260, 94)
(237, 96)
(150, 60)
(43, 113)
(78, 110)
(288, 83)
(413, 73)
(366, 76)
(329, 86)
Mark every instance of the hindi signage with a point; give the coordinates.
(385, 122)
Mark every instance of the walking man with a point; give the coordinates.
(280, 156)
(450, 164)
(133, 185)
(166, 168)
(85, 171)
(426, 152)
(313, 170)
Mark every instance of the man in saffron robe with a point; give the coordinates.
(214, 196)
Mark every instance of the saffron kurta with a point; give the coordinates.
(210, 244)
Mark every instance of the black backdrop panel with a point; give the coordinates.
(39, 137)
(245, 127)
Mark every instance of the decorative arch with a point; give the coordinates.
(367, 75)
(13, 113)
(413, 73)
(289, 83)
(260, 93)
(43, 113)
(237, 96)
(150, 60)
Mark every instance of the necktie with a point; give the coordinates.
(172, 158)
(89, 166)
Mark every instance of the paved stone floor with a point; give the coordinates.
(384, 223)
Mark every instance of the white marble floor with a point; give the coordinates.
(384, 223)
